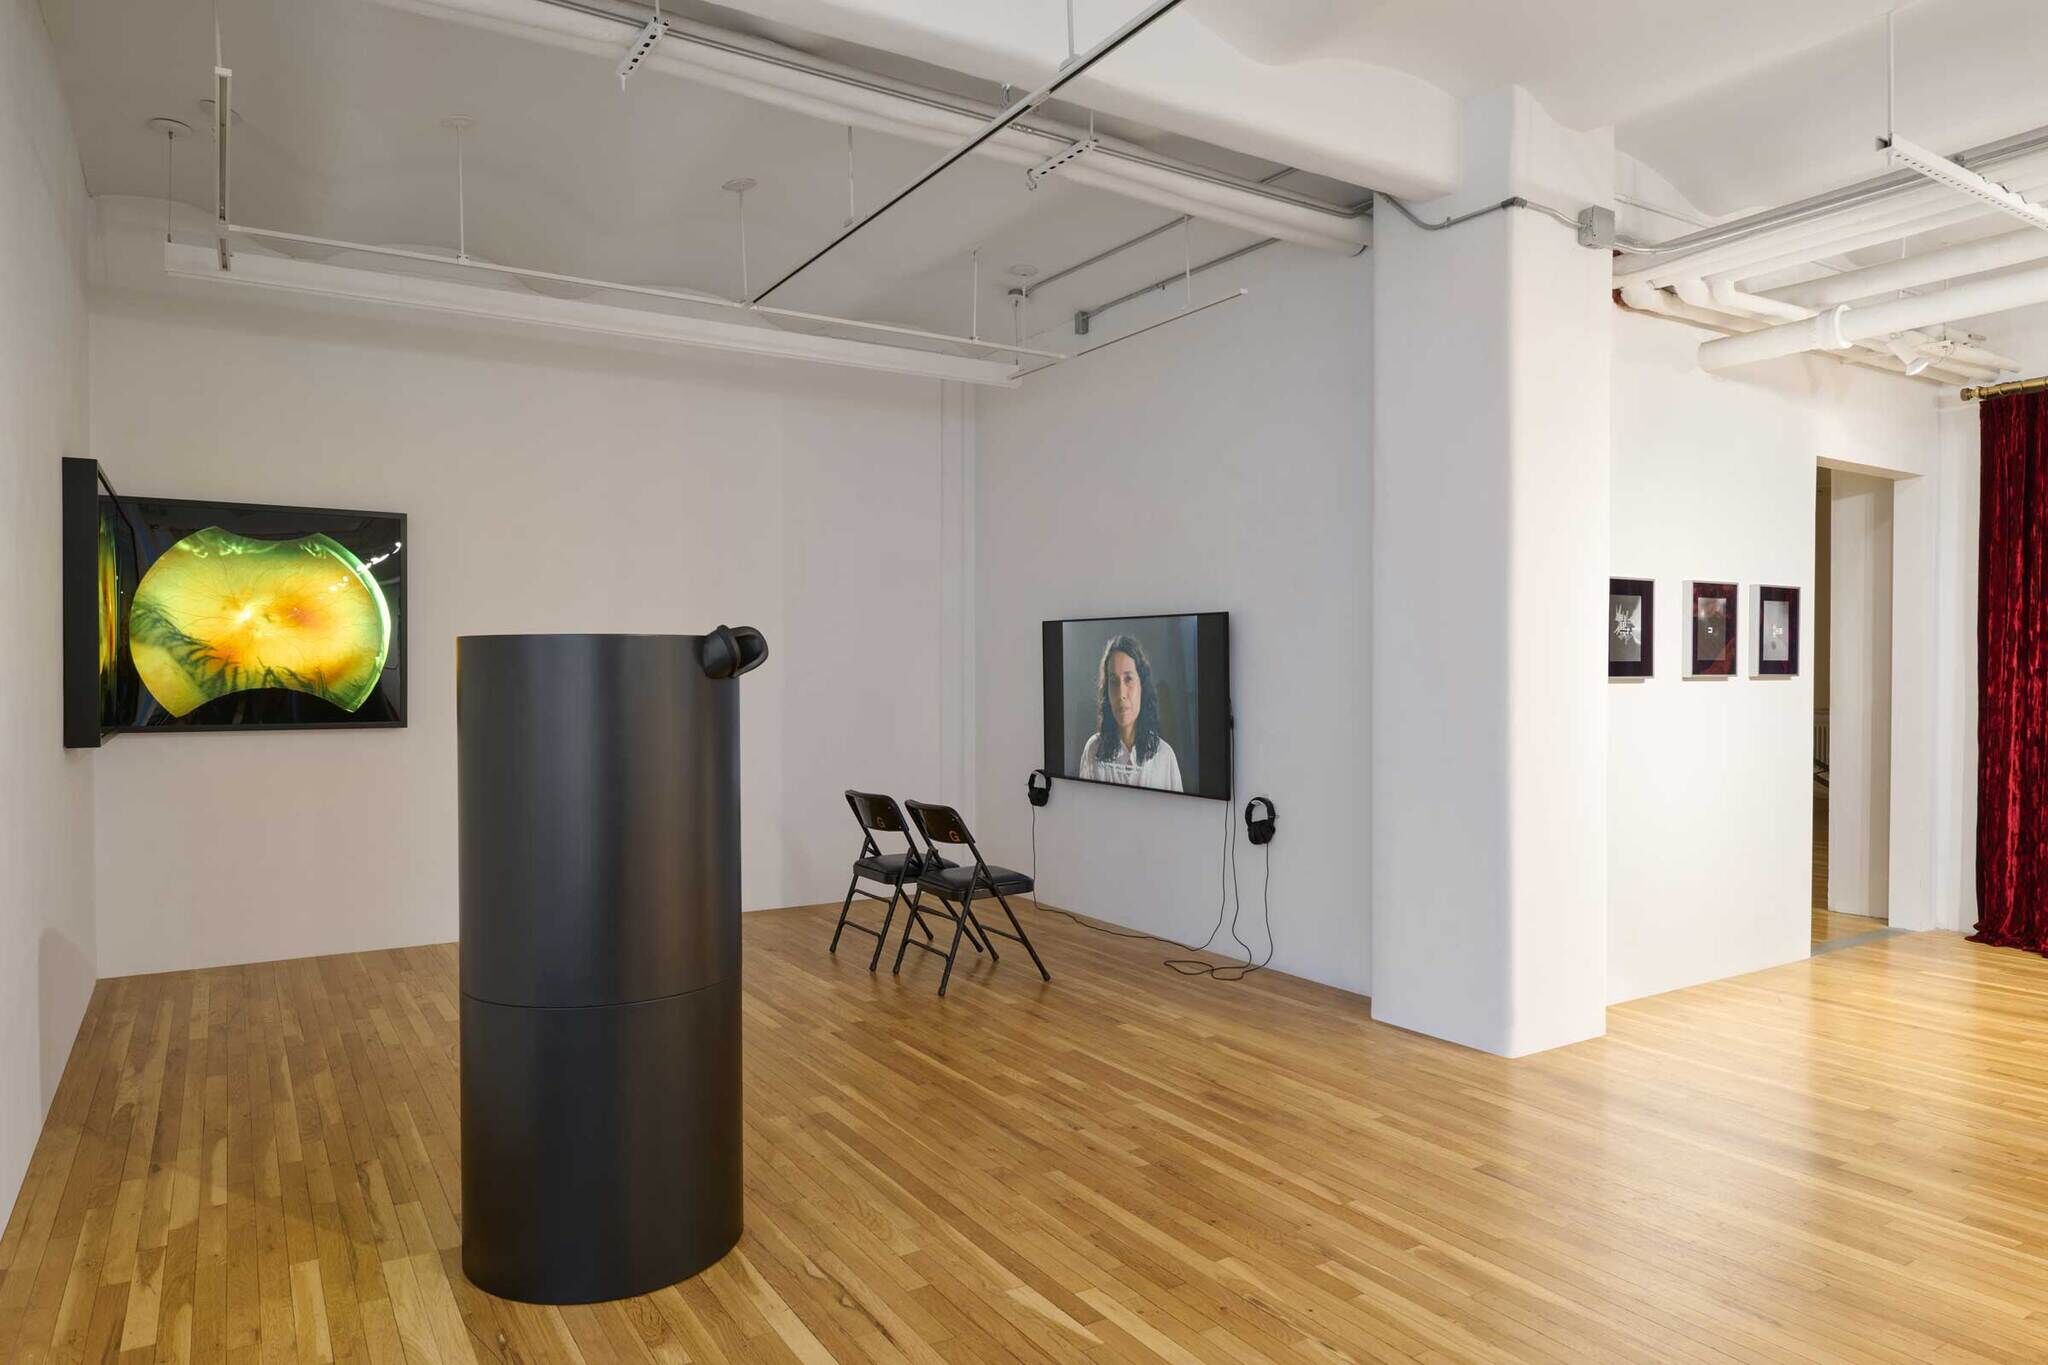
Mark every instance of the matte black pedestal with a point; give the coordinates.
(587, 1134)
(601, 1117)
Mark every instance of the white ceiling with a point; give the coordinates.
(1739, 103)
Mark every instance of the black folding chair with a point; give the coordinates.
(957, 886)
(879, 814)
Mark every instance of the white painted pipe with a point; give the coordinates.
(1731, 255)
(1728, 299)
(1955, 213)
(807, 85)
(1902, 215)
(1929, 267)
(1843, 326)
(1644, 297)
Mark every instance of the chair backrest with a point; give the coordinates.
(943, 825)
(940, 824)
(877, 812)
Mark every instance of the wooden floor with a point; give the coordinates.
(1844, 1159)
(1830, 926)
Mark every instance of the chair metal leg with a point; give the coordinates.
(915, 917)
(975, 928)
(1022, 937)
(917, 913)
(959, 928)
(844, 906)
(882, 939)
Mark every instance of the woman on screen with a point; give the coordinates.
(1126, 747)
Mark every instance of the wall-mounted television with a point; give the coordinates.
(182, 615)
(1140, 701)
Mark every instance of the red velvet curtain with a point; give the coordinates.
(2012, 674)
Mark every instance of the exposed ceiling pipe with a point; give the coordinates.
(1844, 326)
(1928, 208)
(1651, 258)
(1726, 297)
(1873, 234)
(790, 80)
(1929, 267)
(1641, 297)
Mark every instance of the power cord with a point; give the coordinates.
(1228, 898)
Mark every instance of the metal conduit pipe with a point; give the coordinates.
(761, 71)
(1952, 211)
(1652, 255)
(1844, 326)
(1929, 267)
(1928, 207)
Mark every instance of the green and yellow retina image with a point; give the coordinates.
(222, 613)
(110, 623)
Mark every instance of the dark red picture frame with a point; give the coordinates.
(1712, 651)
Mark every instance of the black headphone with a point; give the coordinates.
(1259, 830)
(1038, 787)
(732, 650)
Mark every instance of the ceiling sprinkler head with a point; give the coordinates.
(1023, 272)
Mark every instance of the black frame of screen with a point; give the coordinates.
(1212, 675)
(72, 685)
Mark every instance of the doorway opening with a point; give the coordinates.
(1852, 712)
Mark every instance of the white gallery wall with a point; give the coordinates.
(46, 921)
(550, 486)
(1710, 792)
(1220, 463)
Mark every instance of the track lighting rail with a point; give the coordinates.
(1068, 72)
(629, 14)
(988, 345)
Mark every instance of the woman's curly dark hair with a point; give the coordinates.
(1145, 734)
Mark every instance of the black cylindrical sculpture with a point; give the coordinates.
(600, 833)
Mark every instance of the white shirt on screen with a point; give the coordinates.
(1161, 772)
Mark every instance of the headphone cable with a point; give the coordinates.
(1226, 884)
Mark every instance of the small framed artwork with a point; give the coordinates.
(1776, 613)
(1631, 627)
(1711, 629)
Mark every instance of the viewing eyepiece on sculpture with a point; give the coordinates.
(732, 650)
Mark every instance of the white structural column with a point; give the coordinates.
(1492, 345)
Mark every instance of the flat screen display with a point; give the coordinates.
(1140, 701)
(229, 616)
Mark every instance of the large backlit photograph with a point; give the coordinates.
(238, 615)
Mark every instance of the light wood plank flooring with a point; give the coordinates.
(1830, 926)
(1841, 1160)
